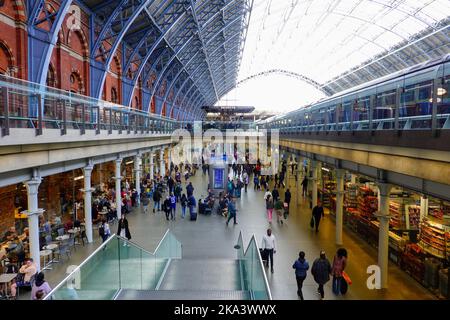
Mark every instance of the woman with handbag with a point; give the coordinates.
(339, 264)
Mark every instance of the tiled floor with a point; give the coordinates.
(210, 238)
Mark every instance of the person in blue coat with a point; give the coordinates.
(301, 266)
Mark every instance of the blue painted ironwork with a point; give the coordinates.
(41, 41)
(125, 14)
(174, 81)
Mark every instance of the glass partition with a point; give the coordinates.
(118, 264)
(253, 274)
(26, 104)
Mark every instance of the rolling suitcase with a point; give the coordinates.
(193, 215)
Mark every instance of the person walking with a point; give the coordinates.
(173, 206)
(301, 267)
(167, 208)
(256, 182)
(183, 201)
(178, 190)
(123, 229)
(192, 203)
(268, 244)
(339, 264)
(269, 207)
(157, 199)
(317, 213)
(278, 206)
(189, 189)
(104, 230)
(245, 180)
(231, 210)
(281, 181)
(287, 198)
(275, 194)
(305, 186)
(321, 270)
(145, 202)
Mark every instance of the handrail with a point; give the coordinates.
(266, 282)
(160, 241)
(79, 266)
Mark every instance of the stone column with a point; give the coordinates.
(118, 188)
(137, 171)
(383, 238)
(162, 163)
(339, 204)
(315, 167)
(87, 171)
(423, 207)
(152, 165)
(33, 213)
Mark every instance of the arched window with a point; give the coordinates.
(51, 76)
(114, 95)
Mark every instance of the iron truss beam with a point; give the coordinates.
(297, 76)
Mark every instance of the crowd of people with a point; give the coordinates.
(169, 192)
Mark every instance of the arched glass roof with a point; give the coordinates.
(342, 43)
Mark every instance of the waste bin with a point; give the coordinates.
(432, 267)
(443, 282)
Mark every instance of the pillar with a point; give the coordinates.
(423, 207)
(314, 180)
(87, 172)
(162, 163)
(383, 238)
(152, 165)
(118, 188)
(339, 204)
(33, 213)
(137, 172)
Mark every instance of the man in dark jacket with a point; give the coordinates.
(317, 213)
(321, 270)
(287, 198)
(190, 189)
(301, 266)
(275, 194)
(304, 186)
(157, 199)
(171, 184)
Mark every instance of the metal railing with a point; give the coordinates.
(25, 104)
(402, 124)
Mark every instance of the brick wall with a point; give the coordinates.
(7, 220)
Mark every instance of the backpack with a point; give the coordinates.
(101, 230)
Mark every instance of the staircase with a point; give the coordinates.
(195, 279)
(122, 270)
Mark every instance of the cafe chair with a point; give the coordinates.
(83, 236)
(48, 239)
(60, 231)
(63, 248)
(20, 284)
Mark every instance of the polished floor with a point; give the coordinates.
(209, 238)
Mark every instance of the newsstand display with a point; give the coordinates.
(420, 247)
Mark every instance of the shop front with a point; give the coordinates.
(419, 225)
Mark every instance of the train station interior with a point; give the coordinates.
(149, 148)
